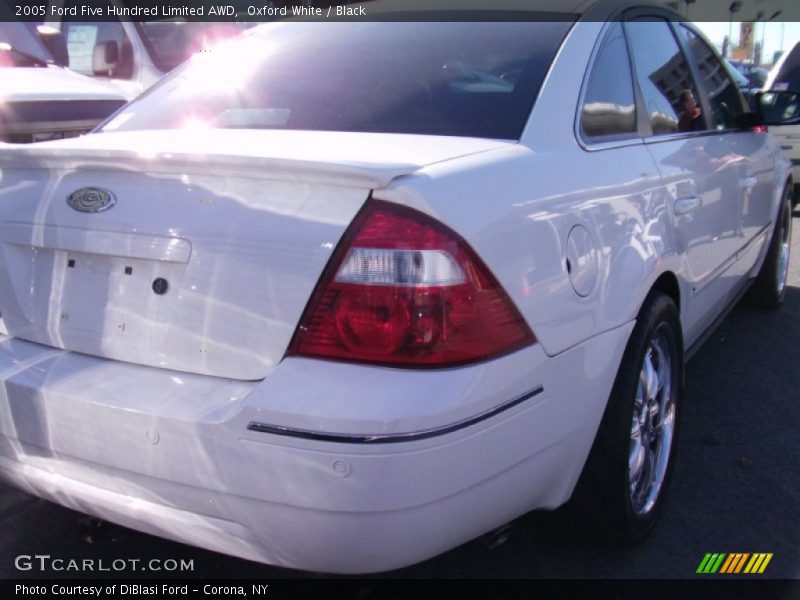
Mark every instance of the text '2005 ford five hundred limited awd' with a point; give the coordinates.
(341, 310)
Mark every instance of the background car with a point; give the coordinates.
(756, 76)
(132, 54)
(785, 76)
(745, 85)
(40, 99)
(344, 314)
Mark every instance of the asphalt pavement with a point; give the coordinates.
(736, 486)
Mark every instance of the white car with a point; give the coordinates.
(41, 100)
(785, 76)
(130, 55)
(334, 310)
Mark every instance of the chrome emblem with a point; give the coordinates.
(91, 200)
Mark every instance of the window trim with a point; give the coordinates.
(687, 135)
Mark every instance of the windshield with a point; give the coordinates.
(467, 79)
(21, 37)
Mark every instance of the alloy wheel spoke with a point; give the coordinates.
(649, 373)
(651, 426)
(636, 460)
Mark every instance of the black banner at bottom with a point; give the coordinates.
(390, 589)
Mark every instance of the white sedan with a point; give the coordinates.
(341, 297)
(39, 98)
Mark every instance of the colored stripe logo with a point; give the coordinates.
(734, 563)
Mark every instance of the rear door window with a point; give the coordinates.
(668, 90)
(723, 94)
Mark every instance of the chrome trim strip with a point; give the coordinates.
(688, 135)
(701, 285)
(755, 240)
(737, 294)
(390, 438)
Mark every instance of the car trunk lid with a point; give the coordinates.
(206, 259)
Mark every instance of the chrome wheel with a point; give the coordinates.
(785, 246)
(624, 484)
(652, 426)
(769, 288)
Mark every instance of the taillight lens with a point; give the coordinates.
(404, 290)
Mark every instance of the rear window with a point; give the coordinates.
(461, 79)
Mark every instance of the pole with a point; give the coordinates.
(730, 37)
(783, 30)
(755, 38)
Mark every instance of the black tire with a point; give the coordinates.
(604, 497)
(769, 288)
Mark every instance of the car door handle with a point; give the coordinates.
(684, 206)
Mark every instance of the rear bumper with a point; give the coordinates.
(171, 454)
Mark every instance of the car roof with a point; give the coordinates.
(574, 7)
(591, 10)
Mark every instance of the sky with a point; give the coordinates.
(714, 18)
(773, 34)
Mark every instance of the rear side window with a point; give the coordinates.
(609, 109)
(463, 79)
(726, 102)
(664, 78)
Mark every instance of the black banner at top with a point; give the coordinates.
(375, 10)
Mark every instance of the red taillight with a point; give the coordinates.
(760, 129)
(402, 289)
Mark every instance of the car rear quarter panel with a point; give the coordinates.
(517, 206)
